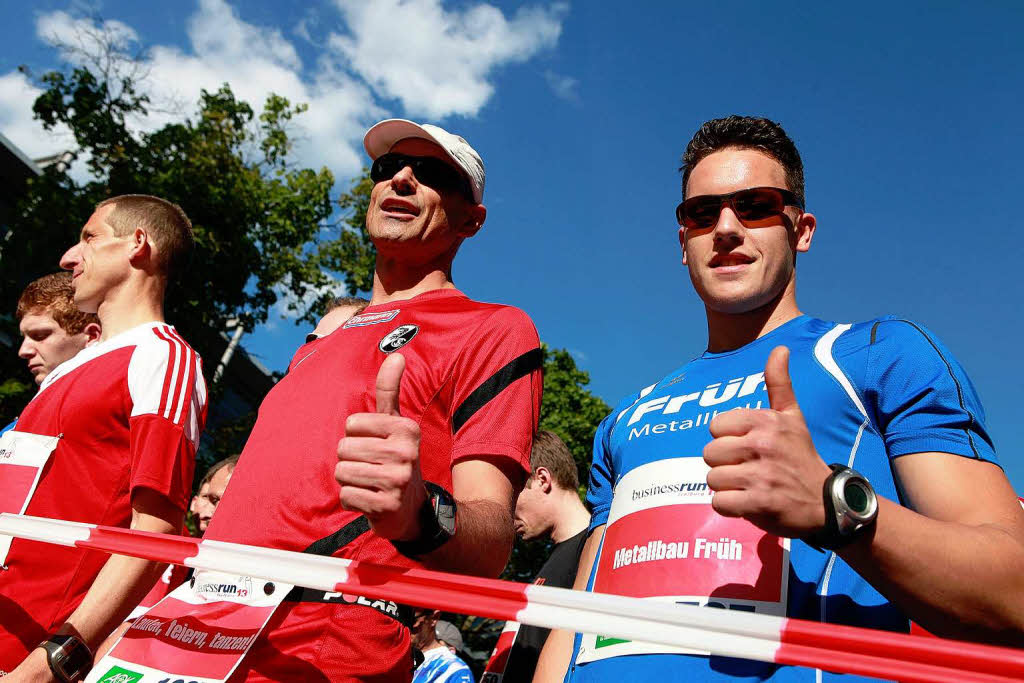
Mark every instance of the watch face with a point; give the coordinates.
(857, 498)
(445, 516)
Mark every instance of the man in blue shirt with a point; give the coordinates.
(713, 485)
(438, 641)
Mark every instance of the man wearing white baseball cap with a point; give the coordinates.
(401, 439)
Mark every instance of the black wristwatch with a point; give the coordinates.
(437, 523)
(850, 507)
(68, 656)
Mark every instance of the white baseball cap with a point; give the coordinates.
(383, 136)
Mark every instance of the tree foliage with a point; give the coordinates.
(264, 227)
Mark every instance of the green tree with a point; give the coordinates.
(264, 227)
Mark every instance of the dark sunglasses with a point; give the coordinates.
(752, 204)
(428, 170)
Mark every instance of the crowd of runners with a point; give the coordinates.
(835, 472)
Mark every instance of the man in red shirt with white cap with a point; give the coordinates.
(401, 439)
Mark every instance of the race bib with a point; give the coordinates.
(22, 458)
(664, 542)
(197, 634)
(496, 665)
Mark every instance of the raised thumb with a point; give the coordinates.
(389, 383)
(777, 382)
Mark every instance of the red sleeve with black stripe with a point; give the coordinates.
(168, 393)
(497, 389)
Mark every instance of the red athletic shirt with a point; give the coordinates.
(129, 411)
(473, 383)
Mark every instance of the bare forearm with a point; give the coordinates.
(557, 651)
(119, 587)
(953, 579)
(482, 543)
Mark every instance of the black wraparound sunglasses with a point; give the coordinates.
(428, 170)
(751, 204)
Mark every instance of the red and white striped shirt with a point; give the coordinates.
(129, 412)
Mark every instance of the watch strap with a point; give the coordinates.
(829, 537)
(68, 656)
(433, 533)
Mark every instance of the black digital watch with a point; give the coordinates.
(68, 656)
(437, 523)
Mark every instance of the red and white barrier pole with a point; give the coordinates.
(725, 633)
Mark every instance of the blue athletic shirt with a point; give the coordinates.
(870, 392)
(440, 665)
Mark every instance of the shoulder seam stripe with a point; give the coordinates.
(956, 383)
(823, 352)
(515, 369)
(188, 376)
(175, 374)
(178, 377)
(161, 408)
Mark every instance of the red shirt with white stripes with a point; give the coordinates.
(129, 412)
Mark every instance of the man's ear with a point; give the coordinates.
(92, 333)
(473, 221)
(544, 479)
(142, 247)
(682, 243)
(805, 227)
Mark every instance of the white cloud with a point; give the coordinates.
(71, 35)
(438, 62)
(17, 94)
(564, 87)
(434, 61)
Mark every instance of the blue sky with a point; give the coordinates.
(907, 115)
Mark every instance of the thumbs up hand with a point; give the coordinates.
(764, 466)
(379, 461)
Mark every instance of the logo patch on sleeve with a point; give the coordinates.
(397, 338)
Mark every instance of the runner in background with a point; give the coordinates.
(52, 328)
(402, 439)
(122, 420)
(440, 642)
(339, 311)
(211, 491)
(548, 507)
(761, 522)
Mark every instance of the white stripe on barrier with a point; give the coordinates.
(721, 632)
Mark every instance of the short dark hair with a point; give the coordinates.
(54, 296)
(216, 467)
(746, 132)
(551, 453)
(165, 221)
(359, 303)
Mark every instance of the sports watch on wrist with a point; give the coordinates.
(437, 523)
(850, 507)
(68, 656)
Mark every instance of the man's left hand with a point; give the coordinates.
(764, 466)
(379, 461)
